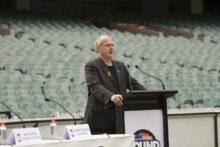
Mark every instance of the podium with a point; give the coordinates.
(144, 114)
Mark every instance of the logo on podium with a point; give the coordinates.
(145, 138)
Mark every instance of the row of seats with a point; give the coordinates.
(52, 53)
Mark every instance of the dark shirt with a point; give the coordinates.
(112, 75)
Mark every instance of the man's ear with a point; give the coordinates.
(97, 49)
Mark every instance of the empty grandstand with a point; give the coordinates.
(54, 51)
(184, 52)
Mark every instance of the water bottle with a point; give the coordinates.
(53, 128)
(3, 133)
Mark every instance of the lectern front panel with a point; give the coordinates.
(145, 115)
(147, 125)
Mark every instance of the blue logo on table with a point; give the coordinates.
(145, 138)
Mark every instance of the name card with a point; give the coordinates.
(76, 131)
(24, 136)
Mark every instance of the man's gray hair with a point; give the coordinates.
(99, 40)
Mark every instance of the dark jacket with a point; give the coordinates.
(99, 112)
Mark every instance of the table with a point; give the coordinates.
(118, 140)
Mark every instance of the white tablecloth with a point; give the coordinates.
(119, 140)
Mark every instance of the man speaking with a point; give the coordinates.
(107, 82)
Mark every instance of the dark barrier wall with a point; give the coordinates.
(109, 7)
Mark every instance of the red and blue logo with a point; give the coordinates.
(145, 138)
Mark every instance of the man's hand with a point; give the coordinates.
(117, 99)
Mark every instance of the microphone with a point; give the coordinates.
(128, 66)
(151, 76)
(49, 100)
(14, 113)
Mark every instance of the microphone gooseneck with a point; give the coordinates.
(129, 78)
(23, 124)
(49, 100)
(151, 76)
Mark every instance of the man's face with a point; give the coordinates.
(106, 49)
